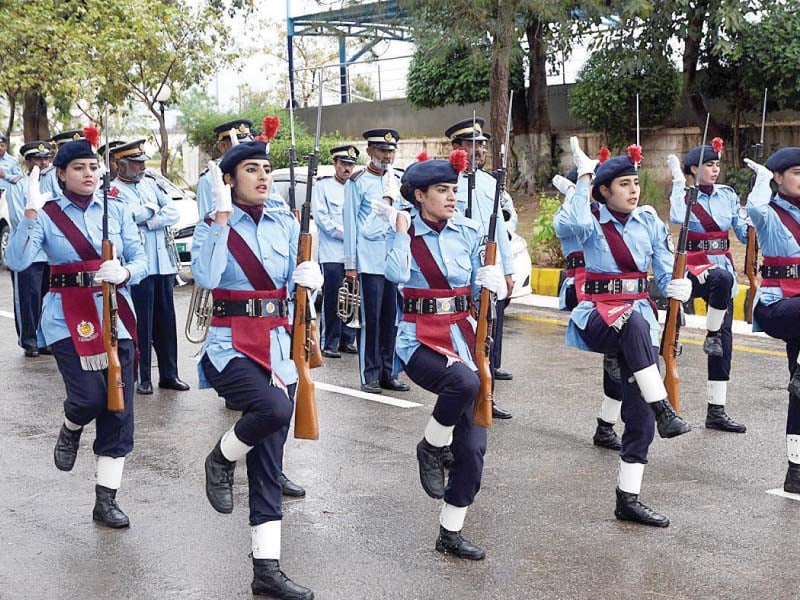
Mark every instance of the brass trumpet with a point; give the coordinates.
(199, 317)
(348, 303)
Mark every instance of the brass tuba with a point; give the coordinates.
(199, 317)
(348, 303)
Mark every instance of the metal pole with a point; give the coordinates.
(380, 93)
(343, 87)
(290, 50)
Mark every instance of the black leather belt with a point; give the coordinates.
(576, 262)
(780, 272)
(79, 279)
(616, 286)
(708, 245)
(436, 306)
(257, 307)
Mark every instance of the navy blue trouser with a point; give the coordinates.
(634, 351)
(87, 398)
(30, 286)
(378, 327)
(155, 325)
(264, 424)
(781, 320)
(716, 291)
(335, 334)
(457, 387)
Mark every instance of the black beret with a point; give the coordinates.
(783, 159)
(245, 150)
(692, 158)
(73, 151)
(618, 166)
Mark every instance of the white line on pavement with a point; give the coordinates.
(6, 314)
(782, 494)
(365, 396)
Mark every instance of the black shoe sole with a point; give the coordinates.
(616, 447)
(621, 517)
(726, 428)
(448, 552)
(103, 522)
(257, 591)
(65, 468)
(292, 493)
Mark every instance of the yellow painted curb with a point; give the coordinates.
(738, 304)
(544, 281)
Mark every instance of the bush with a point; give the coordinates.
(740, 180)
(544, 241)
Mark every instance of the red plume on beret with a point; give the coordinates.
(422, 156)
(603, 155)
(270, 126)
(635, 153)
(458, 159)
(92, 135)
(717, 144)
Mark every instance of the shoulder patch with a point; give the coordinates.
(356, 174)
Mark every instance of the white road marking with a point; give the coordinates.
(6, 314)
(782, 494)
(365, 396)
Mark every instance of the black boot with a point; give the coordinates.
(713, 343)
(500, 413)
(106, 510)
(717, 418)
(669, 424)
(605, 436)
(219, 481)
(451, 542)
(290, 488)
(66, 449)
(630, 509)
(431, 469)
(447, 457)
(792, 482)
(269, 580)
(794, 383)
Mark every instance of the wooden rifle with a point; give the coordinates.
(670, 339)
(751, 251)
(115, 397)
(482, 415)
(306, 421)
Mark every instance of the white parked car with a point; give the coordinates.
(183, 230)
(5, 228)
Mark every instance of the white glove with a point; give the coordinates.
(389, 213)
(112, 272)
(390, 189)
(220, 191)
(308, 275)
(680, 289)
(234, 137)
(586, 165)
(675, 168)
(491, 277)
(36, 199)
(562, 184)
(763, 174)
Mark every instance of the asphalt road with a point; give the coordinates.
(367, 530)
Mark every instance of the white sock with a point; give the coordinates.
(630, 477)
(793, 448)
(717, 392)
(71, 426)
(452, 517)
(650, 384)
(438, 435)
(109, 471)
(232, 447)
(266, 540)
(714, 318)
(609, 409)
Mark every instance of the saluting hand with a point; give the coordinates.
(763, 174)
(675, 168)
(586, 165)
(398, 220)
(35, 198)
(220, 191)
(562, 184)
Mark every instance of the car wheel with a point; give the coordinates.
(5, 234)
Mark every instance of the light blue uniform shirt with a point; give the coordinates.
(482, 205)
(48, 182)
(773, 237)
(151, 223)
(32, 236)
(274, 240)
(569, 244)
(327, 205)
(723, 206)
(16, 199)
(10, 168)
(457, 253)
(647, 238)
(365, 232)
(205, 199)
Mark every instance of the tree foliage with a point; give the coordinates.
(604, 97)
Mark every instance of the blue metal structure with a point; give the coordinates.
(370, 23)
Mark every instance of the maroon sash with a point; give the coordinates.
(250, 335)
(706, 220)
(80, 314)
(788, 220)
(433, 330)
(789, 287)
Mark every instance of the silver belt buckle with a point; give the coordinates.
(715, 244)
(268, 308)
(792, 271)
(446, 305)
(630, 286)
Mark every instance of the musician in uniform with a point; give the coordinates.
(69, 229)
(435, 257)
(621, 242)
(9, 168)
(243, 129)
(365, 257)
(710, 265)
(570, 294)
(327, 203)
(462, 135)
(31, 284)
(774, 207)
(246, 253)
(153, 211)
